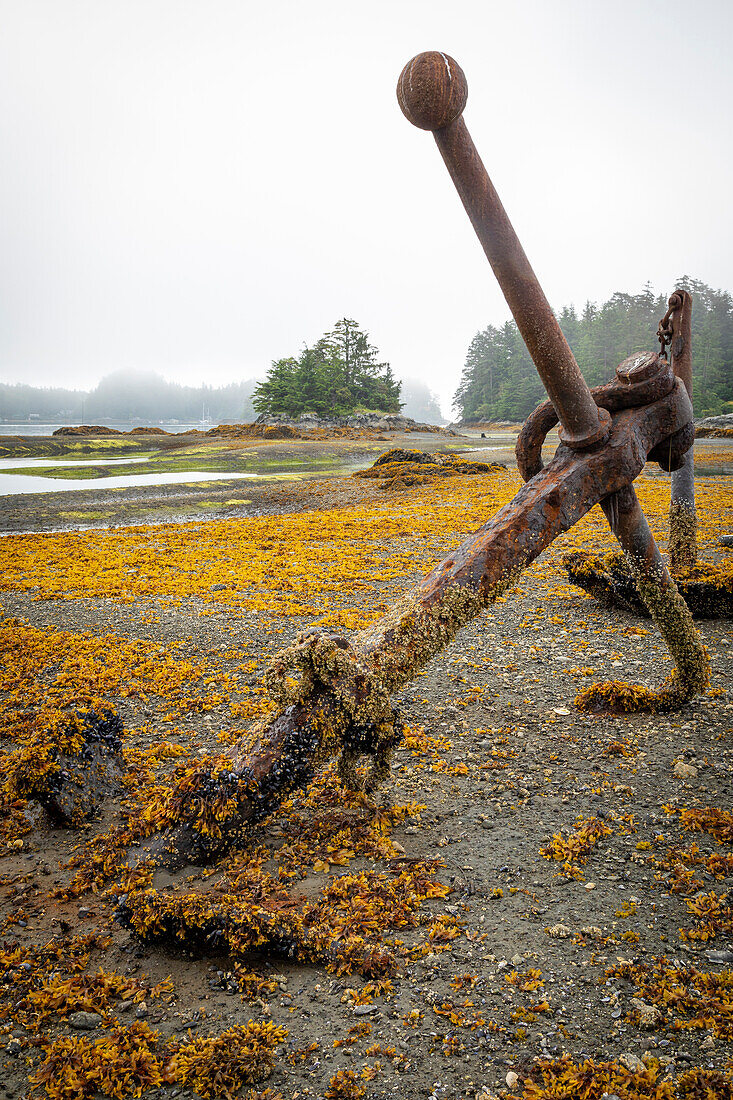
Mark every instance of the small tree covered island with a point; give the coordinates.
(339, 375)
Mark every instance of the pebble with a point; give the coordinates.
(14, 1046)
(719, 956)
(512, 1079)
(85, 1021)
(684, 771)
(631, 1061)
(365, 1010)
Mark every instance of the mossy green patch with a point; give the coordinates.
(91, 514)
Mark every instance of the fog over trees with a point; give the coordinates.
(130, 395)
(146, 396)
(420, 403)
(342, 371)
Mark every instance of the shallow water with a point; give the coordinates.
(15, 484)
(30, 463)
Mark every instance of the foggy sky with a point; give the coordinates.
(201, 186)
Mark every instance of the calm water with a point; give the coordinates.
(30, 463)
(13, 484)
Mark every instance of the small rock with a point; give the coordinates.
(589, 886)
(649, 1015)
(517, 960)
(684, 771)
(85, 1021)
(631, 1062)
(14, 1047)
(559, 931)
(365, 1010)
(512, 1079)
(141, 1011)
(719, 956)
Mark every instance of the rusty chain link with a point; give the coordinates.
(665, 331)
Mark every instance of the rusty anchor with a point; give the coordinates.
(707, 590)
(333, 694)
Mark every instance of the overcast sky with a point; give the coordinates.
(201, 186)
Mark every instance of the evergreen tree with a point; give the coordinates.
(499, 381)
(339, 374)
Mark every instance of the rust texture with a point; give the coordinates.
(432, 92)
(332, 695)
(675, 328)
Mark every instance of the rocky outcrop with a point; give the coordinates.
(368, 422)
(398, 469)
(715, 426)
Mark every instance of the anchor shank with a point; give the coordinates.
(432, 92)
(551, 354)
(682, 514)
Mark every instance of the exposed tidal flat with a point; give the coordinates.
(526, 878)
(53, 483)
(61, 483)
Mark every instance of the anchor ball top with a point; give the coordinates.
(432, 90)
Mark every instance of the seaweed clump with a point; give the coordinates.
(691, 999)
(689, 677)
(69, 762)
(573, 849)
(550, 1079)
(706, 589)
(128, 1061)
(399, 468)
(218, 1066)
(251, 912)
